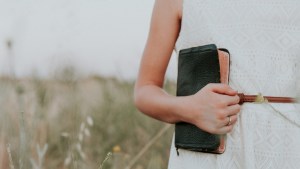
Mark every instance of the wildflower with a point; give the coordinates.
(87, 132)
(65, 134)
(90, 120)
(116, 149)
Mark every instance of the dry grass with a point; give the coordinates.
(73, 123)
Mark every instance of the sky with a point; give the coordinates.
(104, 37)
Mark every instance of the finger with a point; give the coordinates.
(222, 89)
(228, 128)
(231, 100)
(234, 121)
(230, 120)
(233, 109)
(225, 129)
(225, 121)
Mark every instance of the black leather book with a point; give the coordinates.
(197, 67)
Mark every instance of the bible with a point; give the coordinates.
(197, 67)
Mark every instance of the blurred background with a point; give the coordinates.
(67, 70)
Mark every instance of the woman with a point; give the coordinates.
(263, 39)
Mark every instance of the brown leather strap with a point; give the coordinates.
(260, 99)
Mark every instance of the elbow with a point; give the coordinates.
(141, 99)
(137, 97)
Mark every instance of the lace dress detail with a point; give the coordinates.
(263, 38)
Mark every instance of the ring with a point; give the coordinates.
(229, 121)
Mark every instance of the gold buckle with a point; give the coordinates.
(260, 99)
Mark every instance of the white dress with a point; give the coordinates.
(263, 37)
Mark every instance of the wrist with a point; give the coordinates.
(180, 109)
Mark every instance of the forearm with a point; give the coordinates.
(155, 102)
(150, 98)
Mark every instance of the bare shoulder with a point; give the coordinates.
(179, 4)
(163, 33)
(173, 6)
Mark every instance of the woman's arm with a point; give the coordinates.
(164, 30)
(208, 109)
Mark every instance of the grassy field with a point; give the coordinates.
(69, 122)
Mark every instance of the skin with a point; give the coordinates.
(208, 109)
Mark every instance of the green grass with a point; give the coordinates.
(58, 113)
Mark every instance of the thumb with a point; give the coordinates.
(223, 89)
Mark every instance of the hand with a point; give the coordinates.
(210, 108)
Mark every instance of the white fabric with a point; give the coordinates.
(263, 37)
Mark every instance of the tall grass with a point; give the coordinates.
(70, 122)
